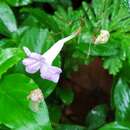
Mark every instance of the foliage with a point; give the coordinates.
(121, 97)
(27, 23)
(96, 117)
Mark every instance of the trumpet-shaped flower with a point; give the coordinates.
(35, 62)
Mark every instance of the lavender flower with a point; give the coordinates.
(35, 62)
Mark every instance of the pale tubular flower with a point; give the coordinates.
(103, 37)
(35, 62)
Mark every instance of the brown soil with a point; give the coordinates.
(92, 85)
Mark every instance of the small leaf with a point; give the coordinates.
(96, 117)
(113, 64)
(66, 95)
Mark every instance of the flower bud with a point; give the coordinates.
(35, 95)
(103, 37)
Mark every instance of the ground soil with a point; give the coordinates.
(92, 86)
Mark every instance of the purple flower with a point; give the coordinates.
(35, 62)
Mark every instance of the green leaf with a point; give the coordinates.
(113, 64)
(99, 50)
(89, 14)
(25, 2)
(42, 17)
(18, 2)
(46, 85)
(66, 95)
(9, 57)
(35, 38)
(120, 16)
(69, 127)
(55, 113)
(98, 7)
(7, 19)
(96, 117)
(15, 108)
(126, 3)
(122, 100)
(125, 72)
(116, 6)
(44, 1)
(3, 127)
(114, 126)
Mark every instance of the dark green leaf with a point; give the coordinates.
(55, 113)
(69, 127)
(125, 72)
(3, 127)
(114, 126)
(96, 117)
(66, 95)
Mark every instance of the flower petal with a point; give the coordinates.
(32, 54)
(52, 52)
(28, 61)
(33, 68)
(27, 51)
(36, 56)
(51, 73)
